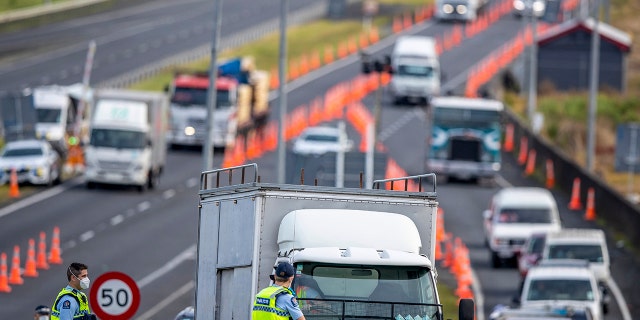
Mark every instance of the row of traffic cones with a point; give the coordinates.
(35, 260)
(527, 157)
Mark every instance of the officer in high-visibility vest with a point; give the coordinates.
(71, 303)
(278, 301)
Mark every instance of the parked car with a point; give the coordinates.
(513, 215)
(35, 162)
(587, 244)
(316, 141)
(531, 252)
(562, 283)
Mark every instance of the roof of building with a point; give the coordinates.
(609, 33)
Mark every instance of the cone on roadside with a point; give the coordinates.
(15, 277)
(41, 257)
(531, 163)
(30, 266)
(551, 178)
(590, 213)
(575, 204)
(55, 254)
(508, 138)
(14, 191)
(4, 279)
(522, 156)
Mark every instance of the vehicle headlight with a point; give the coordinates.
(518, 5)
(501, 241)
(447, 8)
(461, 9)
(40, 171)
(189, 131)
(538, 6)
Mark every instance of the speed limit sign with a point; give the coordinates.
(114, 295)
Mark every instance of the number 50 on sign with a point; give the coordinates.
(114, 295)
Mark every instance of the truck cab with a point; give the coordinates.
(189, 94)
(416, 70)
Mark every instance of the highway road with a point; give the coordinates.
(152, 236)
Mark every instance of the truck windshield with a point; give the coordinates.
(361, 291)
(415, 71)
(46, 115)
(197, 96)
(120, 139)
(524, 215)
(466, 118)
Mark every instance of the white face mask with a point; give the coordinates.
(84, 283)
(43, 318)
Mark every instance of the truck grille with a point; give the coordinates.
(113, 165)
(343, 310)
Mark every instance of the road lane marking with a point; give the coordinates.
(168, 300)
(622, 304)
(87, 235)
(116, 220)
(188, 254)
(144, 206)
(36, 198)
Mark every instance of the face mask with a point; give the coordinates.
(43, 318)
(84, 283)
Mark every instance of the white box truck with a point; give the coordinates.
(367, 252)
(127, 138)
(415, 68)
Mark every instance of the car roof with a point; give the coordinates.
(22, 144)
(576, 263)
(323, 130)
(560, 272)
(574, 235)
(524, 196)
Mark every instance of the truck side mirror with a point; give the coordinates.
(466, 309)
(516, 301)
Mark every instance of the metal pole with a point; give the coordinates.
(284, 4)
(342, 128)
(632, 159)
(368, 163)
(207, 149)
(593, 88)
(533, 65)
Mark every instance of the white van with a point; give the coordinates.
(514, 214)
(586, 244)
(416, 69)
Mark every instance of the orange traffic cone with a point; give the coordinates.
(575, 195)
(508, 138)
(14, 191)
(551, 178)
(4, 279)
(531, 163)
(522, 156)
(590, 213)
(54, 255)
(30, 266)
(15, 277)
(41, 259)
(448, 251)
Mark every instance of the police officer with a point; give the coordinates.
(42, 313)
(72, 303)
(278, 301)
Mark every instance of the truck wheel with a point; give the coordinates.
(152, 181)
(495, 260)
(90, 185)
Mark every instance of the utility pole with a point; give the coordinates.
(593, 87)
(533, 65)
(207, 149)
(282, 97)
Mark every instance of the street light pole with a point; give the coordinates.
(284, 4)
(533, 65)
(593, 87)
(207, 149)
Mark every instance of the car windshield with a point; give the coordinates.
(22, 152)
(560, 289)
(197, 96)
(591, 253)
(320, 138)
(524, 215)
(121, 139)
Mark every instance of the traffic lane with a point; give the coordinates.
(151, 38)
(623, 263)
(75, 207)
(136, 240)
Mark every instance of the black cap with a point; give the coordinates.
(284, 270)
(43, 310)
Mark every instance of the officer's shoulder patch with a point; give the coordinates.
(294, 301)
(66, 304)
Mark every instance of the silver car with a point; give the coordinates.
(35, 162)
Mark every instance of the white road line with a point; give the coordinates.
(144, 206)
(622, 304)
(168, 194)
(36, 198)
(188, 254)
(117, 220)
(192, 182)
(87, 235)
(477, 296)
(168, 300)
